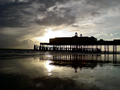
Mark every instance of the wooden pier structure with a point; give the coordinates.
(78, 44)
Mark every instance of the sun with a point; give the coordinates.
(50, 34)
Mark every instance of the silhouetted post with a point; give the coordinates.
(67, 48)
(53, 58)
(101, 47)
(92, 47)
(96, 48)
(105, 48)
(76, 47)
(70, 57)
(86, 57)
(96, 57)
(79, 57)
(114, 58)
(104, 57)
(40, 47)
(100, 58)
(107, 57)
(66, 57)
(62, 47)
(53, 47)
(81, 48)
(34, 47)
(114, 49)
(108, 48)
(70, 48)
(47, 47)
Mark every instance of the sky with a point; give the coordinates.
(24, 23)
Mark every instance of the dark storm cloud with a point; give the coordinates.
(103, 3)
(95, 13)
(92, 2)
(13, 13)
(57, 17)
(75, 26)
(10, 13)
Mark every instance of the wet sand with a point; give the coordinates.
(34, 73)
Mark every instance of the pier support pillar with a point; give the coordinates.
(108, 48)
(107, 57)
(114, 48)
(114, 58)
(101, 47)
(40, 47)
(104, 48)
(81, 48)
(104, 57)
(96, 48)
(60, 48)
(70, 47)
(76, 47)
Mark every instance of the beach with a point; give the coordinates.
(42, 70)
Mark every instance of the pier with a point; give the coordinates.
(78, 44)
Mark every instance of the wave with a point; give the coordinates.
(6, 53)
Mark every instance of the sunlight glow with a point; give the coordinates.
(52, 34)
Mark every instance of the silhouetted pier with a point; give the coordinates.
(78, 44)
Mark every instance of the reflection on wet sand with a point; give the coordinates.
(81, 61)
(97, 72)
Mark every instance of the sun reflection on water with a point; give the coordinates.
(49, 67)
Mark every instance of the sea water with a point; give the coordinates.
(43, 70)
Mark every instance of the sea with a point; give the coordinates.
(26, 69)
